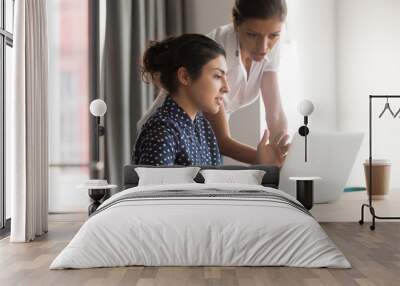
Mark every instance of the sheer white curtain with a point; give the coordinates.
(26, 117)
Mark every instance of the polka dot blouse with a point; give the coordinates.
(170, 137)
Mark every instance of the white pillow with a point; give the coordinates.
(164, 176)
(248, 177)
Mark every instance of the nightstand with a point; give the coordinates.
(305, 190)
(97, 189)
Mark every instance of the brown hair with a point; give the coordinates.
(259, 9)
(192, 51)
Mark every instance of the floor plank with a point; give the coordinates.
(375, 257)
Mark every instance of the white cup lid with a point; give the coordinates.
(378, 162)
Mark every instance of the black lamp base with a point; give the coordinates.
(304, 131)
(305, 193)
(96, 195)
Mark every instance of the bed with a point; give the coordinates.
(201, 224)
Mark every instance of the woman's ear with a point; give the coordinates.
(183, 76)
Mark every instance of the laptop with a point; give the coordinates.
(330, 155)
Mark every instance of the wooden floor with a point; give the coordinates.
(348, 207)
(375, 257)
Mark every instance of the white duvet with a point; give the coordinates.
(200, 231)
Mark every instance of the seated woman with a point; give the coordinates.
(192, 68)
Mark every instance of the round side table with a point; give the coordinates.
(96, 193)
(305, 190)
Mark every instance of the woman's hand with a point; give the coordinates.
(272, 153)
(283, 144)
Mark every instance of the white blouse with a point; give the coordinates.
(244, 89)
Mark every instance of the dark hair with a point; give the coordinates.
(259, 9)
(192, 51)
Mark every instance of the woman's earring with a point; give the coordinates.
(237, 53)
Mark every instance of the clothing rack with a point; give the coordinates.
(369, 205)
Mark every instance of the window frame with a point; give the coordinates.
(6, 39)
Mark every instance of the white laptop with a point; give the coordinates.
(331, 156)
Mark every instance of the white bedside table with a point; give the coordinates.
(305, 190)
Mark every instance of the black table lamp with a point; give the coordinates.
(305, 108)
(98, 108)
(97, 189)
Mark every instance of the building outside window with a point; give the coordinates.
(68, 104)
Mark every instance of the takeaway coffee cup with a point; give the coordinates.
(380, 178)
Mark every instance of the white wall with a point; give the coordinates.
(368, 45)
(308, 63)
(206, 15)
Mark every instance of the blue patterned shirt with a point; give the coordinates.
(170, 137)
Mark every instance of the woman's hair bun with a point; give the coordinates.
(162, 59)
(157, 58)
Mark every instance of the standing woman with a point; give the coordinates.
(252, 45)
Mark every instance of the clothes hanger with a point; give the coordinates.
(397, 113)
(387, 107)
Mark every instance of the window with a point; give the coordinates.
(68, 104)
(6, 63)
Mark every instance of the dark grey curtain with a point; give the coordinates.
(130, 24)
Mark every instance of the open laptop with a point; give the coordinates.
(330, 155)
